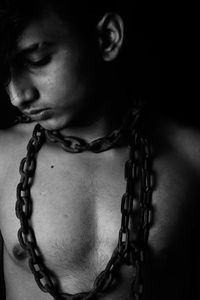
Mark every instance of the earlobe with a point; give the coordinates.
(110, 34)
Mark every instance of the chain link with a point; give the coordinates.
(137, 171)
(76, 145)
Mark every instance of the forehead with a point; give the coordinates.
(48, 28)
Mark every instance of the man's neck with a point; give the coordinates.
(99, 127)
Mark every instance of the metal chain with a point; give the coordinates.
(21, 118)
(137, 170)
(76, 145)
(143, 175)
(26, 233)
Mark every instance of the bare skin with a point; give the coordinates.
(76, 220)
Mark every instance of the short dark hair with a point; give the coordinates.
(131, 65)
(15, 15)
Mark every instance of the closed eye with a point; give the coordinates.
(37, 62)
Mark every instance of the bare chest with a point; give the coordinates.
(76, 215)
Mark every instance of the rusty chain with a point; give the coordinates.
(141, 173)
(76, 145)
(137, 171)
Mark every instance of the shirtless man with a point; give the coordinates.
(59, 69)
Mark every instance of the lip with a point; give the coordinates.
(39, 114)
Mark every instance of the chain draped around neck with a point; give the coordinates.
(76, 145)
(137, 173)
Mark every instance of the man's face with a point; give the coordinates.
(51, 72)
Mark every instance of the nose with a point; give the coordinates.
(22, 92)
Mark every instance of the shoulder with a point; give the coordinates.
(11, 136)
(13, 143)
(176, 159)
(186, 143)
(175, 140)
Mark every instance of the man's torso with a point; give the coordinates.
(76, 218)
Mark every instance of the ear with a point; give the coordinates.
(110, 35)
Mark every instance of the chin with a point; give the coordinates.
(56, 124)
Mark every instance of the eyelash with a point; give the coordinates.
(37, 63)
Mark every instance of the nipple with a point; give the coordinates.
(19, 253)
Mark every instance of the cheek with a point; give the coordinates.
(62, 78)
(53, 85)
(64, 81)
